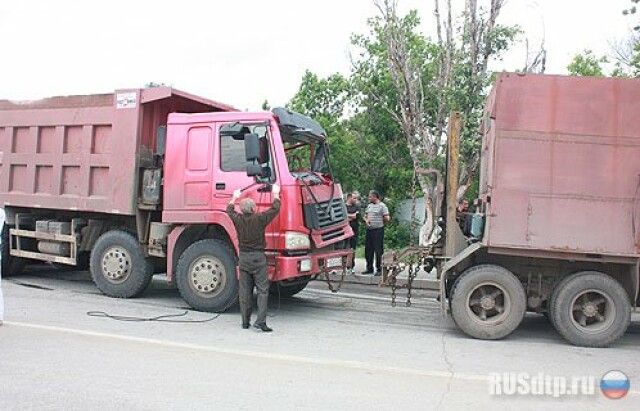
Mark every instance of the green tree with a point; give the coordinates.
(418, 81)
(390, 116)
(587, 64)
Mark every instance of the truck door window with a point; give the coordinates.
(232, 154)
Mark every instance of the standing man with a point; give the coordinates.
(375, 217)
(353, 212)
(2, 218)
(250, 226)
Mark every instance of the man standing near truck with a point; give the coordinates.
(250, 227)
(375, 217)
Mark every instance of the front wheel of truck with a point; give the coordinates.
(590, 309)
(488, 302)
(118, 265)
(206, 276)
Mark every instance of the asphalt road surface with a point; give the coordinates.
(345, 351)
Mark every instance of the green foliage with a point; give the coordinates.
(396, 235)
(587, 64)
(368, 149)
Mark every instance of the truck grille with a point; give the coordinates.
(325, 214)
(332, 234)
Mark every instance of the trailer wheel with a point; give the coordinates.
(206, 276)
(10, 265)
(488, 302)
(118, 265)
(278, 288)
(590, 309)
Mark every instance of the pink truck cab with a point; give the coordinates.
(137, 182)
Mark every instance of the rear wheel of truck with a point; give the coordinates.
(590, 309)
(118, 265)
(206, 276)
(488, 302)
(282, 289)
(10, 265)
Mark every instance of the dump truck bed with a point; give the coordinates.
(84, 152)
(561, 164)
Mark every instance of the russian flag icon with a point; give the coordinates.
(615, 385)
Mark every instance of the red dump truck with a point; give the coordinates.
(137, 181)
(557, 227)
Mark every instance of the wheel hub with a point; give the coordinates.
(116, 264)
(205, 275)
(487, 302)
(590, 310)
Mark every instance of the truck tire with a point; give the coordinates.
(10, 265)
(118, 265)
(277, 288)
(590, 309)
(206, 276)
(488, 302)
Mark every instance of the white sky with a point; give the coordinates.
(240, 52)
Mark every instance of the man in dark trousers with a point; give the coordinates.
(250, 226)
(353, 212)
(375, 217)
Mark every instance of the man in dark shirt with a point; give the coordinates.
(250, 226)
(353, 211)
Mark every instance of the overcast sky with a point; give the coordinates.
(240, 52)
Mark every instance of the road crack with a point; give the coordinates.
(450, 370)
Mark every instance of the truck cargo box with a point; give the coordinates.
(561, 164)
(84, 152)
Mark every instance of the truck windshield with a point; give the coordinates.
(308, 160)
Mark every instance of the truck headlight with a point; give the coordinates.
(295, 241)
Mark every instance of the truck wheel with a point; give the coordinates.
(488, 302)
(590, 309)
(118, 265)
(10, 265)
(283, 290)
(206, 276)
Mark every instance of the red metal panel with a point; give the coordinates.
(566, 164)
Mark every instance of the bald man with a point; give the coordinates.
(250, 226)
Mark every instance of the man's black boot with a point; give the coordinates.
(264, 327)
(245, 325)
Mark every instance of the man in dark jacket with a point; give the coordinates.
(250, 226)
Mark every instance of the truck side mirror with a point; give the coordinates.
(251, 147)
(254, 170)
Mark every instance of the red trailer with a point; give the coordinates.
(137, 181)
(557, 227)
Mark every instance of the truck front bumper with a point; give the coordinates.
(288, 267)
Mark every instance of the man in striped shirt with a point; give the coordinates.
(375, 217)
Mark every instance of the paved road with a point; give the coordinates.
(347, 351)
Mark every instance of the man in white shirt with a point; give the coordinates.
(375, 217)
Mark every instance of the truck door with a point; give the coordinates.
(230, 166)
